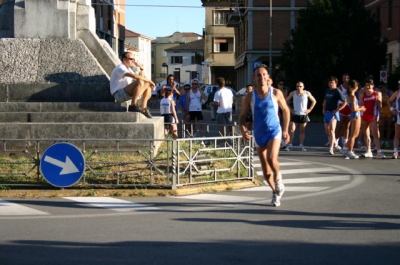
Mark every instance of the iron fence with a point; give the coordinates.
(155, 163)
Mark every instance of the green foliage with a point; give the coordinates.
(333, 37)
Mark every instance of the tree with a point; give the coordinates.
(333, 37)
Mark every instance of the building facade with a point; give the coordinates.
(110, 22)
(219, 43)
(161, 67)
(186, 61)
(388, 13)
(140, 45)
(261, 28)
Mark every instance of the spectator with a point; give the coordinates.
(223, 99)
(167, 110)
(194, 102)
(126, 85)
(299, 113)
(184, 110)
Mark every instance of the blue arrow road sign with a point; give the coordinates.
(62, 164)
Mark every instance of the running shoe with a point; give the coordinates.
(380, 155)
(279, 188)
(327, 144)
(276, 200)
(337, 148)
(363, 148)
(288, 147)
(302, 148)
(368, 154)
(351, 155)
(395, 155)
(331, 152)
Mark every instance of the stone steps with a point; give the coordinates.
(61, 107)
(74, 117)
(146, 129)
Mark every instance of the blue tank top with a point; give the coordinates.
(266, 124)
(353, 114)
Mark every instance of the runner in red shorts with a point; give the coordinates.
(372, 101)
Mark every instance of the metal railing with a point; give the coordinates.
(125, 163)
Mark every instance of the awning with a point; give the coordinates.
(240, 61)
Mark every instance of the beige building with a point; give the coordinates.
(258, 41)
(160, 66)
(219, 48)
(140, 45)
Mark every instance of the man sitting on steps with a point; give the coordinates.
(126, 85)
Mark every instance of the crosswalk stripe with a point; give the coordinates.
(9, 208)
(293, 163)
(287, 188)
(221, 198)
(307, 170)
(317, 179)
(112, 204)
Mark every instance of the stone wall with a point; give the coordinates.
(47, 61)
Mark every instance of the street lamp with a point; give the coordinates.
(270, 37)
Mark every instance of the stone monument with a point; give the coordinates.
(54, 76)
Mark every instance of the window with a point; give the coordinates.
(220, 17)
(176, 59)
(223, 44)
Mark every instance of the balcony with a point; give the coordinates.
(235, 15)
(233, 19)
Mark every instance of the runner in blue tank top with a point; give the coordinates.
(264, 102)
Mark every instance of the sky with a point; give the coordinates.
(160, 18)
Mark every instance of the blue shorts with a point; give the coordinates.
(328, 117)
(121, 96)
(267, 137)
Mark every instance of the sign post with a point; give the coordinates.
(62, 165)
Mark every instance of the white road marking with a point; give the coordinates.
(307, 170)
(112, 204)
(300, 171)
(221, 198)
(9, 208)
(317, 179)
(283, 164)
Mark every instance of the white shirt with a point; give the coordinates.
(225, 98)
(165, 106)
(118, 80)
(195, 101)
(300, 103)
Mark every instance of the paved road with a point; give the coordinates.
(347, 214)
(334, 211)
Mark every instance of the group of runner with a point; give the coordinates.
(351, 112)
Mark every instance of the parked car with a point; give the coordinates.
(209, 88)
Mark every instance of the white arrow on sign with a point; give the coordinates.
(67, 167)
